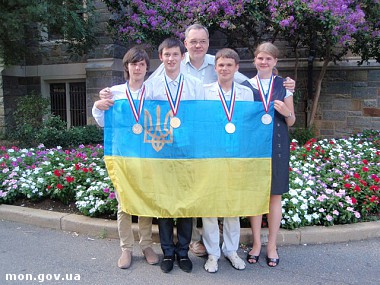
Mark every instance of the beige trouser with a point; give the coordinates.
(124, 226)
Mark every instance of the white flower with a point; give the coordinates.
(294, 200)
(304, 206)
(315, 216)
(296, 218)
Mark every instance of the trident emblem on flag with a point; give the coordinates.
(153, 133)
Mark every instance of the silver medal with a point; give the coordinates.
(137, 129)
(266, 119)
(230, 128)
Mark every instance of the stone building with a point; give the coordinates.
(349, 102)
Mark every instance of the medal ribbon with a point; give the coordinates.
(136, 113)
(265, 97)
(174, 103)
(228, 109)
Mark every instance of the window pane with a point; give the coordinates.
(78, 104)
(58, 100)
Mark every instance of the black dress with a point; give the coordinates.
(280, 142)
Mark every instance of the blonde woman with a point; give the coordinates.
(268, 88)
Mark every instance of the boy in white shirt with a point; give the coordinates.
(226, 90)
(174, 86)
(136, 64)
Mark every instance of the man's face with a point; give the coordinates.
(225, 69)
(197, 44)
(137, 70)
(171, 57)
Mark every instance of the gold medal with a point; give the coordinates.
(230, 128)
(175, 122)
(137, 129)
(266, 119)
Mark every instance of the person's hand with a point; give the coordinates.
(281, 107)
(105, 93)
(104, 104)
(289, 84)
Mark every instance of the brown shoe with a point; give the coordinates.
(125, 259)
(198, 248)
(150, 256)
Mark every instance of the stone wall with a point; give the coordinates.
(15, 88)
(350, 101)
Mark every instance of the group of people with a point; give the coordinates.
(196, 75)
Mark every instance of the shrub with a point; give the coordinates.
(302, 135)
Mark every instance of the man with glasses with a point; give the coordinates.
(202, 66)
(197, 62)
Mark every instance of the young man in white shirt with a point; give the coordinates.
(173, 85)
(227, 91)
(136, 64)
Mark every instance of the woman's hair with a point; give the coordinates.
(134, 55)
(268, 48)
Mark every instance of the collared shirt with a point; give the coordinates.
(192, 88)
(243, 93)
(118, 92)
(206, 73)
(265, 84)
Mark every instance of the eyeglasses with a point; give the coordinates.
(202, 43)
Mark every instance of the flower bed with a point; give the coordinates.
(332, 181)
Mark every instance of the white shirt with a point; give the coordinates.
(118, 92)
(265, 84)
(192, 88)
(206, 73)
(243, 93)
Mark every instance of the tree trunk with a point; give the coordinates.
(318, 92)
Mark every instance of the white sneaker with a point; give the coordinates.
(211, 264)
(236, 261)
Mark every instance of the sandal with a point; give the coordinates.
(250, 258)
(274, 261)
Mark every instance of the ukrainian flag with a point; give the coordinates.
(196, 170)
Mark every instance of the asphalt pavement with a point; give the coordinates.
(31, 254)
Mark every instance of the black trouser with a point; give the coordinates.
(184, 227)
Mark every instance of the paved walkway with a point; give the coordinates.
(108, 228)
(34, 255)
